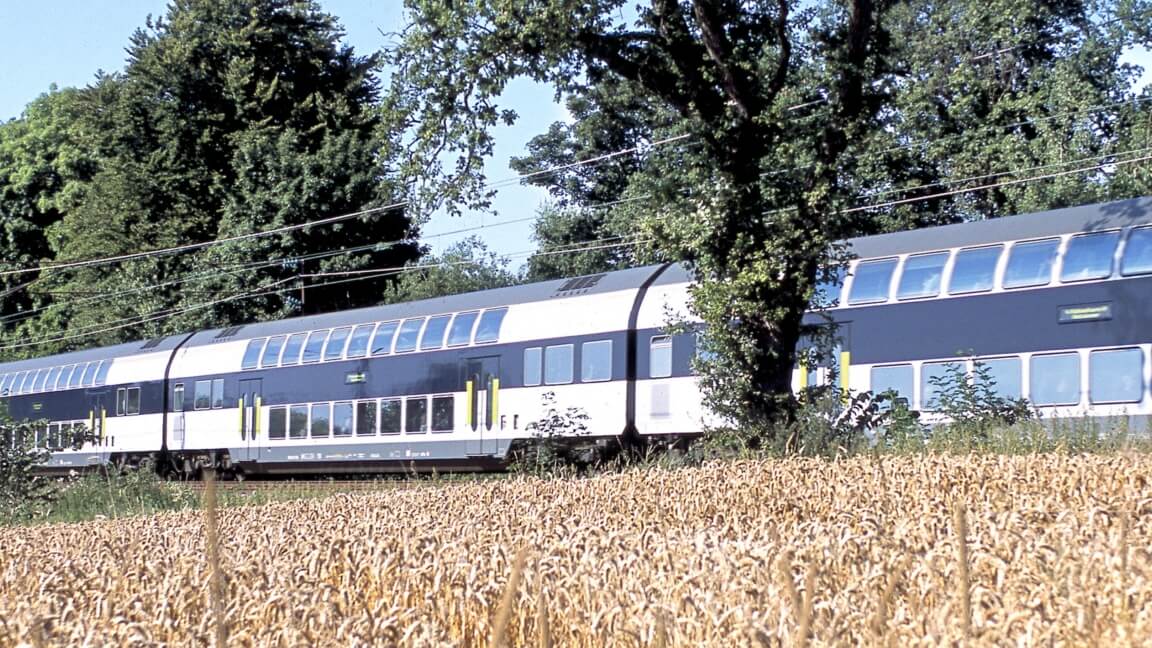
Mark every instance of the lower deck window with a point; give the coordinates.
(932, 374)
(596, 361)
(443, 413)
(366, 418)
(298, 422)
(342, 420)
(1005, 374)
(321, 425)
(390, 418)
(897, 378)
(1055, 379)
(277, 423)
(416, 415)
(558, 364)
(1116, 376)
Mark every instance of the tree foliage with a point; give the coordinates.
(465, 266)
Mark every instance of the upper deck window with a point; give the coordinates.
(1089, 256)
(314, 347)
(252, 354)
(77, 373)
(433, 337)
(271, 355)
(334, 350)
(291, 353)
(5, 384)
(1137, 252)
(872, 281)
(409, 334)
(974, 269)
(921, 276)
(41, 376)
(358, 343)
(828, 290)
(382, 341)
(65, 376)
(1030, 263)
(461, 331)
(54, 375)
(489, 328)
(102, 372)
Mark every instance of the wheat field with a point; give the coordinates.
(901, 551)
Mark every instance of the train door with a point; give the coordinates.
(250, 401)
(178, 421)
(98, 425)
(481, 378)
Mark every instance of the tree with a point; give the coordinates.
(466, 266)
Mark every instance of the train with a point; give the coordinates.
(1054, 304)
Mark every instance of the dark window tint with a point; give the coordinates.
(218, 393)
(409, 334)
(532, 368)
(121, 395)
(102, 372)
(596, 361)
(277, 423)
(342, 420)
(871, 281)
(433, 337)
(132, 401)
(443, 413)
(334, 350)
(1030, 264)
(1006, 375)
(291, 353)
(1089, 256)
(366, 418)
(390, 417)
(54, 375)
(416, 415)
(895, 378)
(930, 373)
(1055, 379)
(558, 364)
(314, 347)
(271, 355)
(203, 396)
(974, 270)
(921, 275)
(461, 331)
(358, 343)
(489, 328)
(298, 422)
(321, 425)
(1137, 252)
(660, 357)
(90, 373)
(1116, 376)
(252, 354)
(382, 341)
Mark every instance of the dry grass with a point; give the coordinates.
(917, 551)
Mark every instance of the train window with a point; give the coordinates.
(90, 373)
(202, 397)
(252, 354)
(558, 364)
(65, 376)
(872, 281)
(218, 393)
(409, 334)
(382, 341)
(1137, 252)
(342, 419)
(828, 290)
(77, 374)
(314, 346)
(596, 361)
(366, 418)
(334, 350)
(1005, 375)
(1089, 256)
(41, 376)
(291, 353)
(321, 426)
(974, 270)
(433, 337)
(897, 378)
(298, 422)
(25, 382)
(390, 417)
(934, 371)
(53, 434)
(120, 401)
(443, 413)
(54, 375)
(921, 275)
(132, 401)
(102, 372)
(461, 331)
(277, 423)
(178, 397)
(358, 343)
(271, 355)
(1030, 264)
(1116, 376)
(1055, 379)
(489, 328)
(5, 384)
(532, 369)
(416, 415)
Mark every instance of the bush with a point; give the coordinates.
(24, 495)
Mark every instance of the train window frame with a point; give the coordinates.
(294, 345)
(909, 397)
(337, 417)
(1099, 272)
(1094, 382)
(864, 269)
(312, 421)
(1143, 246)
(408, 335)
(252, 354)
(437, 339)
(533, 366)
(298, 414)
(360, 341)
(903, 291)
(422, 408)
(102, 372)
(1034, 371)
(552, 354)
(1017, 374)
(313, 351)
(459, 333)
(489, 325)
(1033, 280)
(592, 355)
(961, 256)
(388, 329)
(218, 393)
(132, 401)
(928, 392)
(387, 403)
(361, 407)
(270, 357)
(443, 405)
(201, 395)
(336, 343)
(278, 423)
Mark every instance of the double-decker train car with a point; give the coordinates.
(1055, 304)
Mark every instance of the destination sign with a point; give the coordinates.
(1086, 313)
